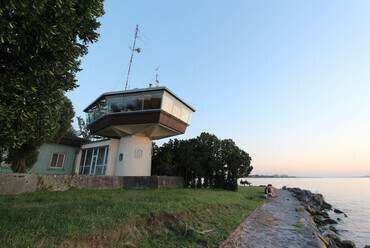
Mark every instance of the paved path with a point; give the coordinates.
(280, 222)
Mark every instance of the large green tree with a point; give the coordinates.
(204, 161)
(40, 46)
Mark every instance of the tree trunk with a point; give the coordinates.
(19, 166)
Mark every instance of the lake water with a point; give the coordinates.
(351, 195)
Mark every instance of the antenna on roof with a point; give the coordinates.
(138, 50)
(156, 77)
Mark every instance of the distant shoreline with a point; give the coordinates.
(267, 176)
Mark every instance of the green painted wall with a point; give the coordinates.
(4, 169)
(46, 151)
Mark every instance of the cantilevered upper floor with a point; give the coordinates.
(152, 112)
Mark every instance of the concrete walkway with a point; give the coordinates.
(280, 222)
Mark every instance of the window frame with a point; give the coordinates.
(56, 162)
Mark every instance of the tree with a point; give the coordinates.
(24, 157)
(205, 161)
(71, 131)
(40, 44)
(84, 130)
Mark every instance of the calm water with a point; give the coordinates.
(351, 195)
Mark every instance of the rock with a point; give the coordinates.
(330, 221)
(345, 215)
(335, 240)
(310, 210)
(317, 219)
(307, 198)
(348, 244)
(338, 219)
(284, 187)
(328, 233)
(338, 211)
(333, 228)
(323, 214)
(332, 246)
(326, 205)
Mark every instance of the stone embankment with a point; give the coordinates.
(295, 218)
(318, 209)
(280, 222)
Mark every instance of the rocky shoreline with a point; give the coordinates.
(318, 208)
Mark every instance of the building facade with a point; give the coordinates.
(53, 158)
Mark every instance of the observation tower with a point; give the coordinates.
(136, 117)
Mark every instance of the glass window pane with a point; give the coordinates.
(99, 170)
(97, 110)
(88, 157)
(60, 161)
(93, 165)
(54, 160)
(101, 156)
(115, 104)
(86, 170)
(152, 101)
(134, 103)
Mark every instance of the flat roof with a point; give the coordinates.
(123, 92)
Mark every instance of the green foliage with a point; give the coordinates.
(40, 43)
(205, 161)
(84, 130)
(24, 157)
(68, 183)
(71, 131)
(41, 185)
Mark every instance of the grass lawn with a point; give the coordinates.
(124, 218)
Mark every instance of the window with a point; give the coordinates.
(134, 102)
(57, 160)
(115, 104)
(152, 101)
(94, 161)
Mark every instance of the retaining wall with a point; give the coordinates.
(15, 183)
(154, 182)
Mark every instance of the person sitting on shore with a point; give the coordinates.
(269, 191)
(245, 182)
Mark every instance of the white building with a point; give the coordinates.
(130, 120)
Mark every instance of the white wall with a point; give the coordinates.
(137, 157)
(112, 157)
(132, 164)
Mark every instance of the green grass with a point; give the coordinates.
(117, 218)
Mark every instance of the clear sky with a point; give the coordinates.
(288, 81)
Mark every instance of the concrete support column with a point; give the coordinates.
(134, 156)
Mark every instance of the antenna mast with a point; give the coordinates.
(156, 77)
(132, 55)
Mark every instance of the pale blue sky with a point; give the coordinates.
(288, 81)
